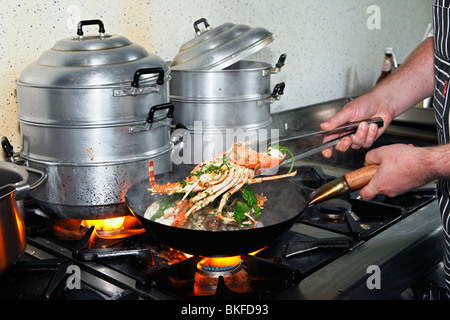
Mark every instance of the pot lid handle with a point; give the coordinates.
(101, 27)
(202, 20)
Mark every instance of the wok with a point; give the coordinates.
(286, 201)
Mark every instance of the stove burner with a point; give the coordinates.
(73, 229)
(210, 270)
(222, 266)
(334, 209)
(208, 279)
(254, 278)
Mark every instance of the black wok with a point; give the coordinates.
(286, 201)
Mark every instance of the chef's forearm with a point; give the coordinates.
(412, 82)
(437, 161)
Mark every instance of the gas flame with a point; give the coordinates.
(111, 224)
(219, 263)
(222, 263)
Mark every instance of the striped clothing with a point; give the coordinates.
(441, 19)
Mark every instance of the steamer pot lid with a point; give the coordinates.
(85, 61)
(219, 47)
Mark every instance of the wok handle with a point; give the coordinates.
(359, 178)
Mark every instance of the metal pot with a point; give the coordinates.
(14, 188)
(93, 111)
(215, 92)
(92, 80)
(238, 96)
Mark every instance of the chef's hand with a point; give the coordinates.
(367, 106)
(401, 168)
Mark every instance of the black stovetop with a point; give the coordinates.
(138, 267)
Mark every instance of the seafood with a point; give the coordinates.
(222, 176)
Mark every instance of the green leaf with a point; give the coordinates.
(285, 150)
(249, 196)
(239, 212)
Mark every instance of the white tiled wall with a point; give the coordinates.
(331, 51)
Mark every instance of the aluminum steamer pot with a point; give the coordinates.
(14, 188)
(216, 93)
(93, 111)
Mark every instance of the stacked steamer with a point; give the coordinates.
(216, 94)
(93, 111)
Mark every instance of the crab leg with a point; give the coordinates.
(213, 189)
(168, 188)
(227, 195)
(207, 200)
(281, 176)
(192, 184)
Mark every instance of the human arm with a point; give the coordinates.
(404, 167)
(411, 83)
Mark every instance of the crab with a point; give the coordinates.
(223, 175)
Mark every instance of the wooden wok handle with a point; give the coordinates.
(360, 178)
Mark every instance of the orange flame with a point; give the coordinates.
(110, 224)
(223, 262)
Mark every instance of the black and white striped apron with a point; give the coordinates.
(441, 104)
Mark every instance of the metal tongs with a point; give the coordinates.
(345, 130)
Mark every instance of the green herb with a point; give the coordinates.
(212, 168)
(249, 196)
(285, 150)
(242, 208)
(183, 183)
(239, 211)
(164, 203)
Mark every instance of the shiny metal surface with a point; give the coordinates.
(218, 105)
(90, 145)
(331, 190)
(219, 47)
(87, 106)
(244, 80)
(404, 253)
(14, 188)
(93, 191)
(90, 61)
(89, 81)
(84, 109)
(201, 144)
(222, 115)
(238, 97)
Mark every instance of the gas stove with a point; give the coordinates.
(345, 248)
(327, 254)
